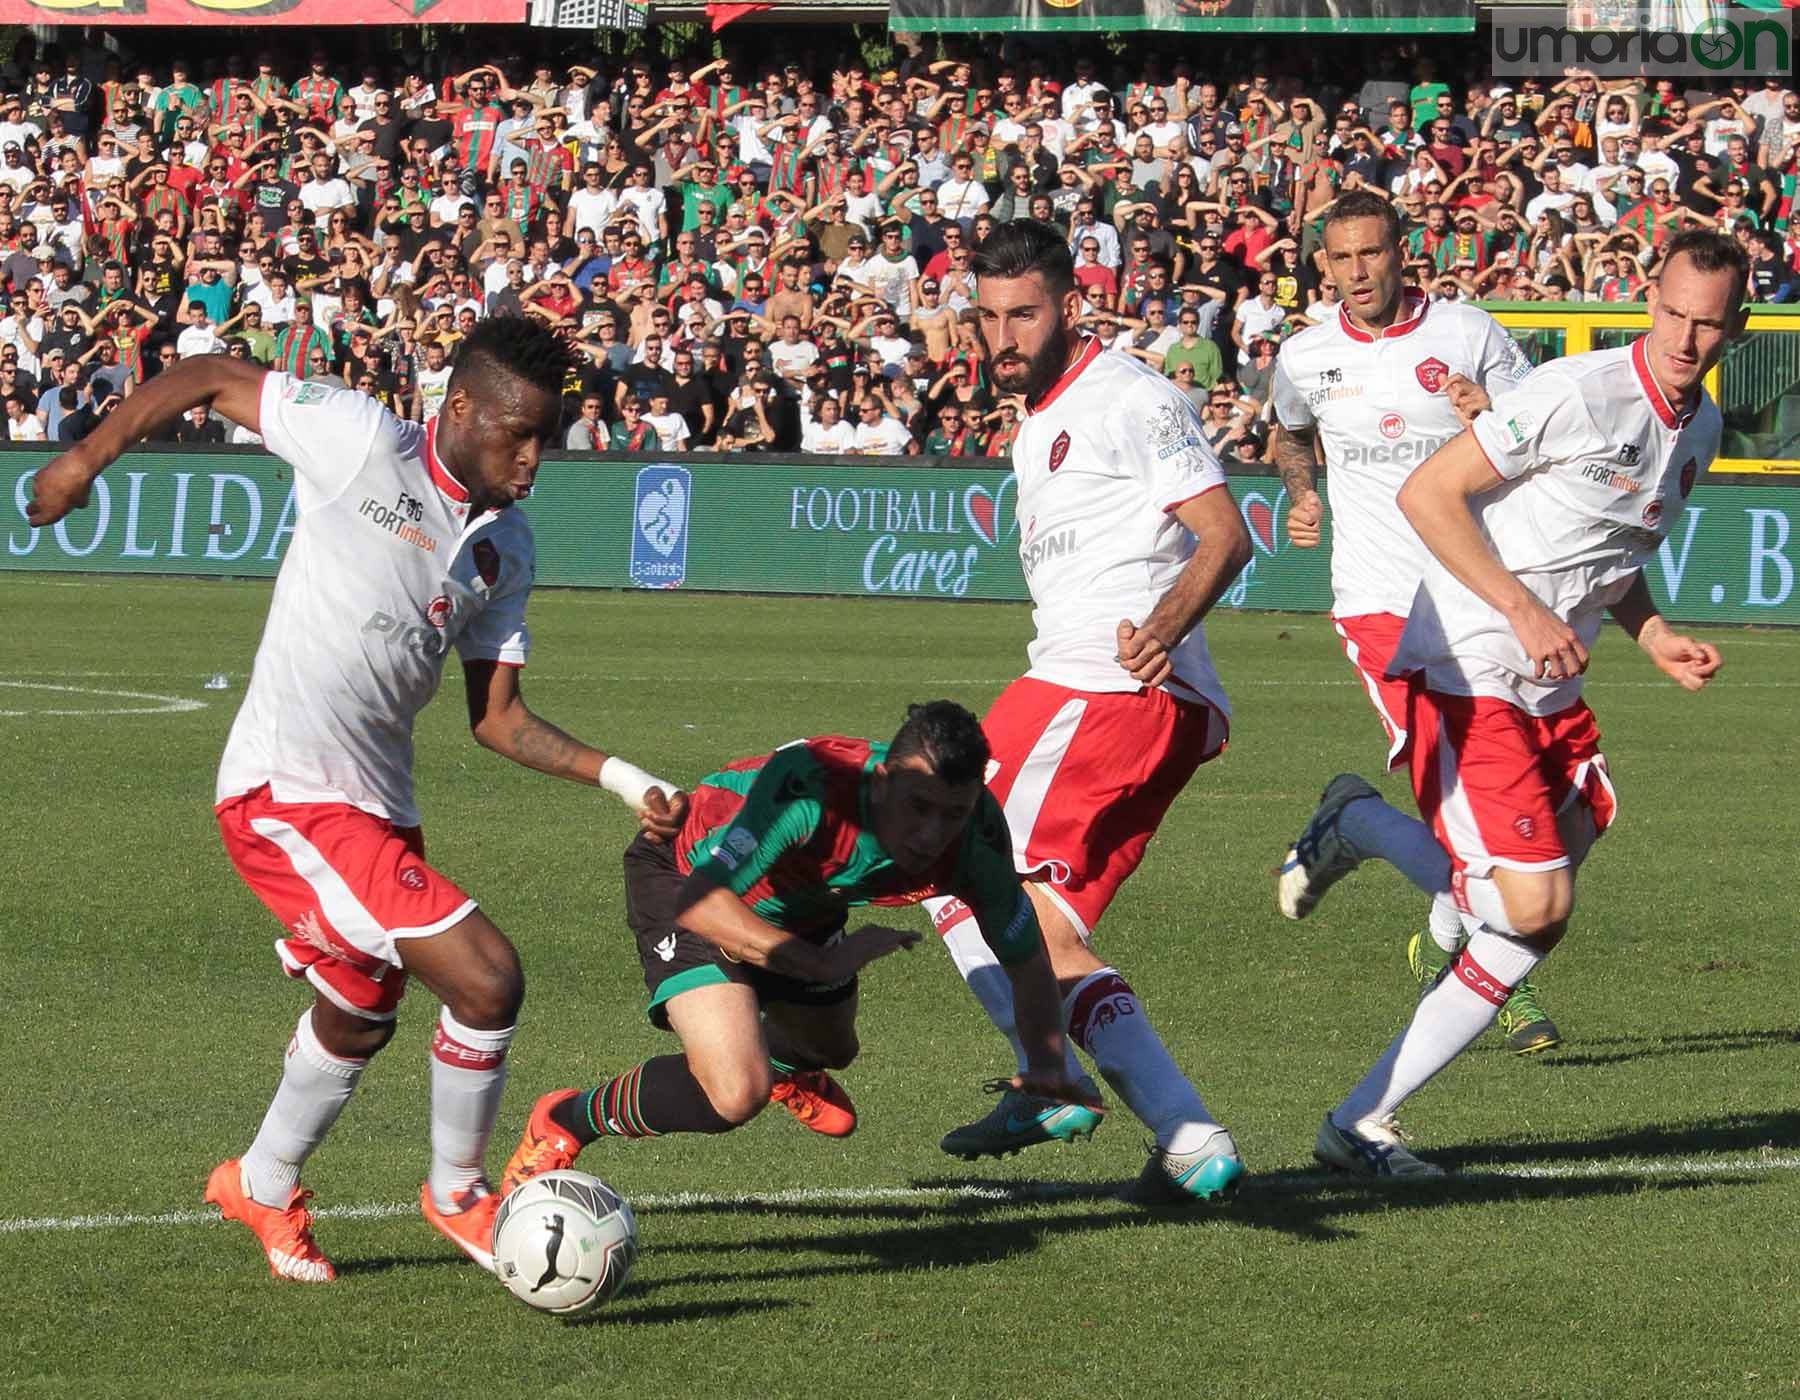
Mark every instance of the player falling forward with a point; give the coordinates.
(1381, 387)
(405, 546)
(1539, 520)
(740, 928)
(1130, 537)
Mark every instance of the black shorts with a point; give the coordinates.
(676, 961)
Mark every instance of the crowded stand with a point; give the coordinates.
(760, 258)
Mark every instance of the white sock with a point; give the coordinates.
(1448, 1019)
(1106, 1019)
(315, 1086)
(468, 1072)
(986, 978)
(1377, 828)
(1447, 928)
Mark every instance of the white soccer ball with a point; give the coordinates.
(564, 1242)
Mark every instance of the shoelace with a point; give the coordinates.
(300, 1223)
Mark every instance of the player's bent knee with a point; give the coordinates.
(1538, 904)
(346, 1036)
(736, 1094)
(473, 969)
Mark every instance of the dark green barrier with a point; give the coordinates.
(826, 525)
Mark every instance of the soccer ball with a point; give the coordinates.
(564, 1242)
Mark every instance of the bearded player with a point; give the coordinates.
(1539, 521)
(406, 544)
(1130, 537)
(1380, 387)
(740, 926)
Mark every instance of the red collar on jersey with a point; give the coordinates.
(1412, 316)
(1659, 401)
(440, 475)
(1090, 351)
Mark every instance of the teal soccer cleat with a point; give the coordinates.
(1019, 1121)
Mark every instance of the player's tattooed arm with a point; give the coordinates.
(1297, 459)
(500, 720)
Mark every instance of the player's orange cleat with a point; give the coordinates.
(817, 1100)
(546, 1147)
(469, 1225)
(285, 1231)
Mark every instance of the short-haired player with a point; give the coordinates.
(740, 926)
(1129, 538)
(1539, 520)
(1375, 390)
(406, 545)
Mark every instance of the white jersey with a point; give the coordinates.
(386, 570)
(1380, 408)
(1596, 467)
(434, 388)
(1101, 462)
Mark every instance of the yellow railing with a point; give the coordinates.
(1757, 385)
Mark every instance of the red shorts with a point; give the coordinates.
(1085, 778)
(1492, 780)
(1370, 641)
(348, 884)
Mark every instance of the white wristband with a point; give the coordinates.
(631, 784)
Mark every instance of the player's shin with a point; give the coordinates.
(315, 1086)
(1106, 1019)
(468, 1075)
(659, 1096)
(986, 978)
(1376, 828)
(1447, 1021)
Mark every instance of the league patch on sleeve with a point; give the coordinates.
(1170, 432)
(302, 394)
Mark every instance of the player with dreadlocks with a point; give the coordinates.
(405, 544)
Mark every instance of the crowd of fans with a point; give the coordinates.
(775, 259)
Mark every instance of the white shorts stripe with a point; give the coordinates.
(1396, 728)
(1032, 785)
(337, 901)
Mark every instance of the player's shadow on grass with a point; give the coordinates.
(382, 1264)
(625, 1312)
(1306, 1205)
(1654, 1047)
(1743, 1132)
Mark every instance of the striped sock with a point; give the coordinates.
(659, 1096)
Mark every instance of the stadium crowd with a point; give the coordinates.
(769, 258)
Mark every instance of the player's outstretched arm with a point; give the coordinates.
(1437, 501)
(501, 721)
(233, 387)
(1221, 549)
(1689, 663)
(714, 913)
(1297, 460)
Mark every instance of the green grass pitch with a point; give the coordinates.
(1622, 1222)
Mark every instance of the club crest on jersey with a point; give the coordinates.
(1432, 374)
(1653, 513)
(438, 610)
(487, 561)
(1059, 449)
(1689, 470)
(1392, 425)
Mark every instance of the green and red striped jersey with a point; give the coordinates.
(788, 834)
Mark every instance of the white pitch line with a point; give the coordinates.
(164, 704)
(1031, 1192)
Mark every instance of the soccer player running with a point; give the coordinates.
(1379, 388)
(405, 545)
(740, 926)
(1539, 520)
(1130, 537)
